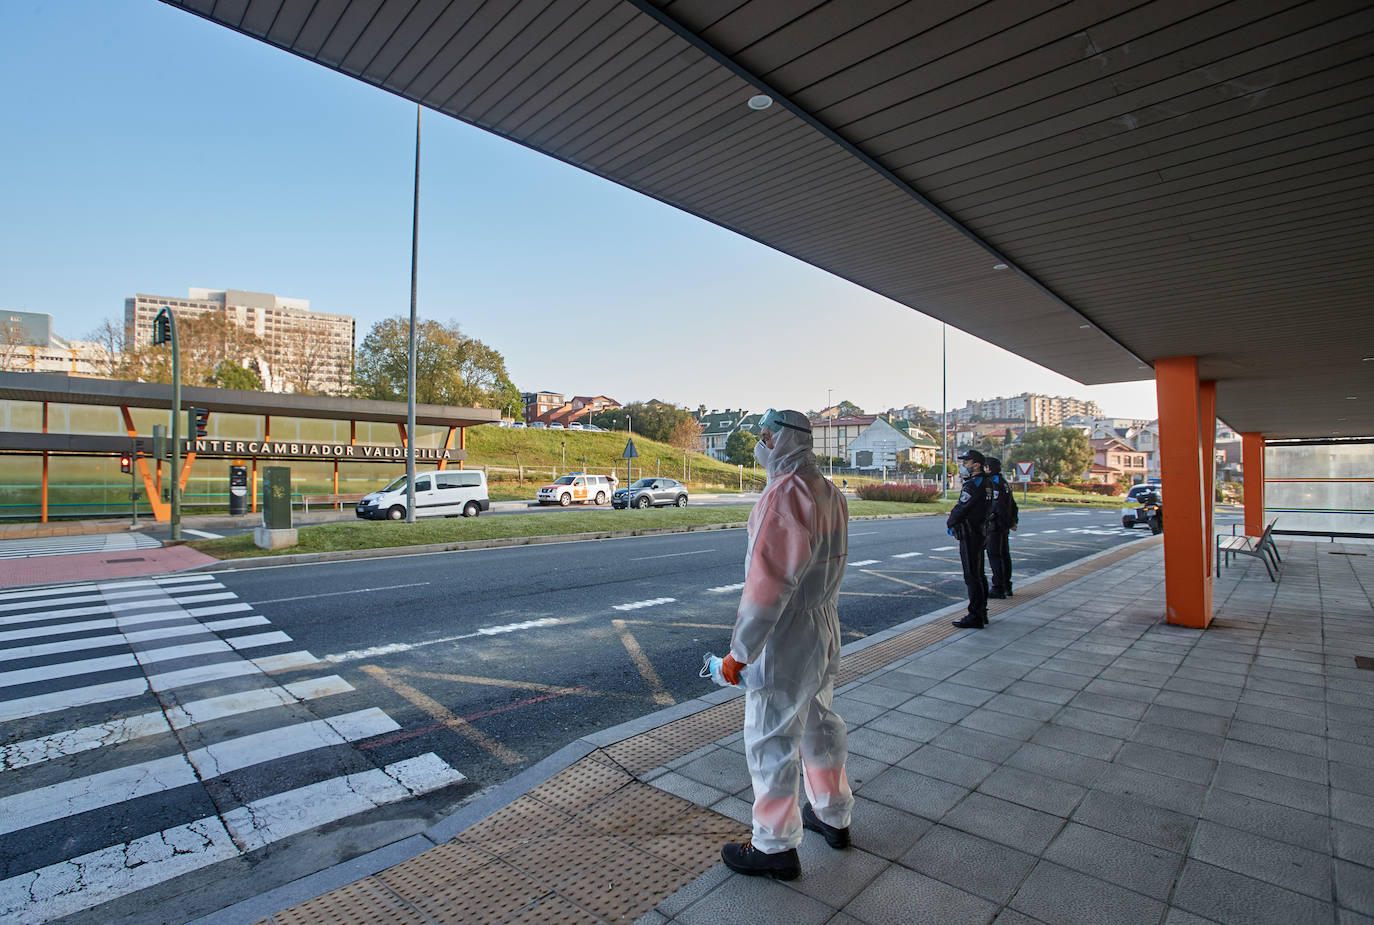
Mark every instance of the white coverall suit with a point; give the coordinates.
(788, 631)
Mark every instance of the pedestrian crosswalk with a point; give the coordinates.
(71, 545)
(153, 727)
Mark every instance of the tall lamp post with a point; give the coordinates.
(410, 365)
(563, 446)
(944, 417)
(830, 432)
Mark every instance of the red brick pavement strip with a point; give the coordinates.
(94, 566)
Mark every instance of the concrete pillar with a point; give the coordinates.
(1187, 411)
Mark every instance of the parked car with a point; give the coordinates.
(555, 426)
(651, 492)
(576, 486)
(437, 494)
(539, 425)
(517, 423)
(1134, 511)
(574, 426)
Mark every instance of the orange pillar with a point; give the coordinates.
(448, 445)
(1187, 540)
(1252, 461)
(462, 442)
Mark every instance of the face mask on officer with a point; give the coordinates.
(963, 470)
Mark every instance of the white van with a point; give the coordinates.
(437, 494)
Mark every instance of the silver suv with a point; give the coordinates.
(654, 492)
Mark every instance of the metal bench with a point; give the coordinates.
(1263, 549)
(336, 500)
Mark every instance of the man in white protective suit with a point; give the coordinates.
(788, 632)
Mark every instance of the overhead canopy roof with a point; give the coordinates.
(1179, 177)
(78, 390)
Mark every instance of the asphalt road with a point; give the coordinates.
(437, 675)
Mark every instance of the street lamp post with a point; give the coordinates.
(563, 446)
(829, 432)
(410, 365)
(944, 417)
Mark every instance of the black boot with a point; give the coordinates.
(971, 622)
(835, 838)
(744, 858)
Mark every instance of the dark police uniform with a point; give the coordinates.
(1003, 514)
(968, 520)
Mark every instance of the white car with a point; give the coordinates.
(437, 494)
(576, 486)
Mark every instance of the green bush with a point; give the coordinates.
(1097, 488)
(915, 494)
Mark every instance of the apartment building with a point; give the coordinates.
(303, 350)
(1028, 407)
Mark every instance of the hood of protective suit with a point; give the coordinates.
(791, 448)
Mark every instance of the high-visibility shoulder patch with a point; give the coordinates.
(965, 496)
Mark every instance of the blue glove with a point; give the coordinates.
(949, 530)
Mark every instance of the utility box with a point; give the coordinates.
(276, 497)
(238, 489)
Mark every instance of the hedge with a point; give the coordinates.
(895, 492)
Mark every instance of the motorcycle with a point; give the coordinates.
(1153, 508)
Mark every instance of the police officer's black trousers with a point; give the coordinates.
(999, 561)
(975, 578)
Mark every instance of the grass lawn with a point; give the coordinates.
(384, 534)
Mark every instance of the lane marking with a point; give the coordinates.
(943, 548)
(642, 663)
(1048, 531)
(145, 617)
(354, 655)
(442, 713)
(669, 555)
(906, 555)
(723, 588)
(1073, 514)
(523, 685)
(95, 595)
(79, 883)
(862, 562)
(203, 534)
(912, 584)
(308, 597)
(81, 794)
(865, 533)
(653, 602)
(189, 628)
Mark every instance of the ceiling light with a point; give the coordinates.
(1368, 360)
(1003, 266)
(1084, 327)
(1350, 398)
(760, 102)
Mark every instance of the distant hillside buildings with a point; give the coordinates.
(28, 344)
(1027, 408)
(299, 345)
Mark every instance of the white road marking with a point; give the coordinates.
(1073, 514)
(127, 729)
(637, 605)
(669, 555)
(81, 794)
(354, 655)
(79, 883)
(943, 548)
(70, 698)
(258, 639)
(203, 534)
(724, 588)
(865, 533)
(160, 602)
(865, 562)
(1024, 533)
(118, 639)
(1049, 531)
(308, 597)
(95, 595)
(906, 555)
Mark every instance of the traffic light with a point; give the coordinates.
(162, 327)
(126, 464)
(200, 421)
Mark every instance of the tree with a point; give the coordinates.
(305, 355)
(206, 341)
(686, 433)
(1056, 452)
(450, 367)
(847, 408)
(230, 375)
(653, 419)
(739, 448)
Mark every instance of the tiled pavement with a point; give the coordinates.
(1081, 762)
(1077, 762)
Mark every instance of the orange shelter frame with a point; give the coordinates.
(1252, 463)
(1187, 438)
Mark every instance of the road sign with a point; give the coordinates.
(1023, 471)
(630, 451)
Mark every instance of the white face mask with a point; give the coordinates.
(963, 470)
(761, 454)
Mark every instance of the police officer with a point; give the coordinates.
(968, 523)
(1002, 519)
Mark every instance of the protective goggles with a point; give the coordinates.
(774, 422)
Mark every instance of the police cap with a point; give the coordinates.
(973, 455)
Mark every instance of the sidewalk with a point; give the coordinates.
(95, 566)
(1077, 762)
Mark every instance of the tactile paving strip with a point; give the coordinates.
(593, 844)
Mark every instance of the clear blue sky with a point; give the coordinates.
(148, 151)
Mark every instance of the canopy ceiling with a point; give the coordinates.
(1179, 177)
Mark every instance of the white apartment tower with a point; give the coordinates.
(300, 345)
(1028, 407)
